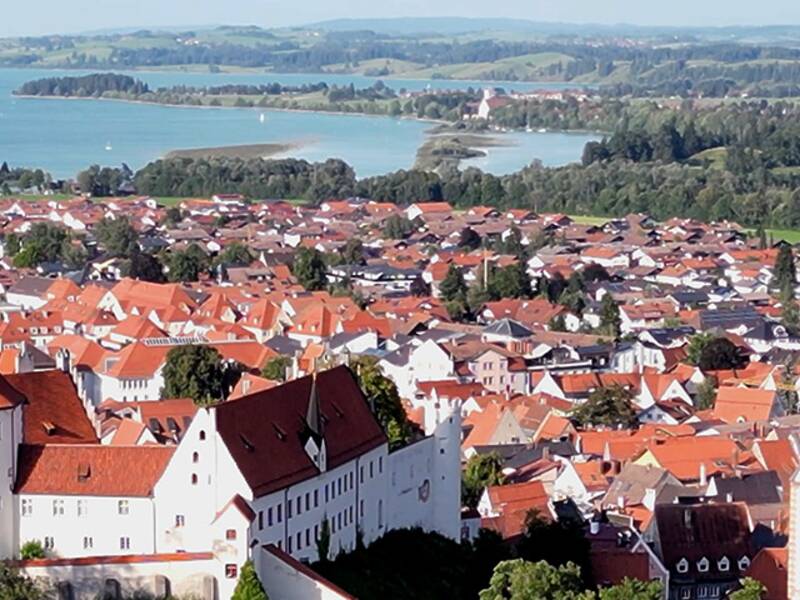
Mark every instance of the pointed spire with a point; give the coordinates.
(313, 413)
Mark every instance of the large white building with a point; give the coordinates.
(265, 470)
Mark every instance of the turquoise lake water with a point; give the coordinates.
(65, 136)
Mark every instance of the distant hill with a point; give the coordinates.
(458, 25)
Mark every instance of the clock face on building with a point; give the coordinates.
(424, 490)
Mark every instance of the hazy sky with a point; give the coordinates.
(55, 16)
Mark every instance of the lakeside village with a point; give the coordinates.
(636, 377)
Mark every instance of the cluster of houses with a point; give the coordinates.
(696, 495)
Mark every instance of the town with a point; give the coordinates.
(200, 393)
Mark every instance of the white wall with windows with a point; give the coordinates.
(76, 526)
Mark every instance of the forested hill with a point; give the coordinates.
(95, 84)
(655, 65)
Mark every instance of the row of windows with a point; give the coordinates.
(130, 384)
(88, 543)
(81, 507)
(703, 565)
(310, 500)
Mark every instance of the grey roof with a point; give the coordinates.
(508, 328)
(284, 345)
(31, 286)
(730, 318)
(756, 488)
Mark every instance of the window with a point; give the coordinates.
(269, 518)
(194, 478)
(316, 532)
(686, 593)
(380, 464)
(58, 508)
(289, 509)
(124, 543)
(180, 521)
(361, 475)
(361, 509)
(27, 508)
(724, 564)
(351, 480)
(326, 492)
(83, 509)
(682, 566)
(202, 435)
(339, 486)
(88, 543)
(308, 537)
(230, 535)
(380, 513)
(371, 469)
(744, 562)
(231, 571)
(261, 520)
(123, 508)
(280, 513)
(196, 457)
(308, 501)
(289, 545)
(299, 505)
(316, 498)
(702, 591)
(299, 540)
(49, 543)
(350, 510)
(702, 565)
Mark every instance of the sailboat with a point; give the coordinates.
(262, 117)
(108, 147)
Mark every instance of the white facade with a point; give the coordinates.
(78, 526)
(10, 436)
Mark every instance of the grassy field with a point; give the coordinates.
(587, 220)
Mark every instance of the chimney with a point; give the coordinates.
(594, 527)
(546, 453)
(649, 499)
(703, 478)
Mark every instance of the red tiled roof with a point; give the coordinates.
(80, 470)
(53, 413)
(263, 431)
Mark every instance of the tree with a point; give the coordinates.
(249, 587)
(397, 227)
(144, 266)
(523, 580)
(275, 368)
(558, 543)
(187, 265)
(117, 236)
(790, 311)
(696, 345)
(234, 255)
(512, 281)
(384, 400)
(43, 243)
(32, 549)
(353, 252)
(481, 471)
(309, 269)
(610, 321)
(720, 354)
(706, 394)
(784, 272)
(12, 244)
(196, 372)
(16, 586)
(611, 406)
(324, 541)
(469, 239)
(633, 589)
(751, 590)
(453, 287)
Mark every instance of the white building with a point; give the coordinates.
(265, 469)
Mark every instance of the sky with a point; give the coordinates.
(34, 17)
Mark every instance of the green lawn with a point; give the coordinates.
(587, 220)
(790, 235)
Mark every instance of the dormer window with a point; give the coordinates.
(744, 563)
(724, 564)
(702, 565)
(682, 566)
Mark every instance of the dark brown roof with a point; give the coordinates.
(264, 432)
(75, 470)
(9, 396)
(53, 413)
(704, 530)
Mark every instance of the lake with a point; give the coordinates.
(65, 136)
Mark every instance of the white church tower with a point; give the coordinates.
(443, 422)
(10, 438)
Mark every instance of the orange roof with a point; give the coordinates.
(736, 404)
(135, 360)
(128, 433)
(97, 470)
(514, 502)
(484, 424)
(683, 456)
(250, 384)
(8, 361)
